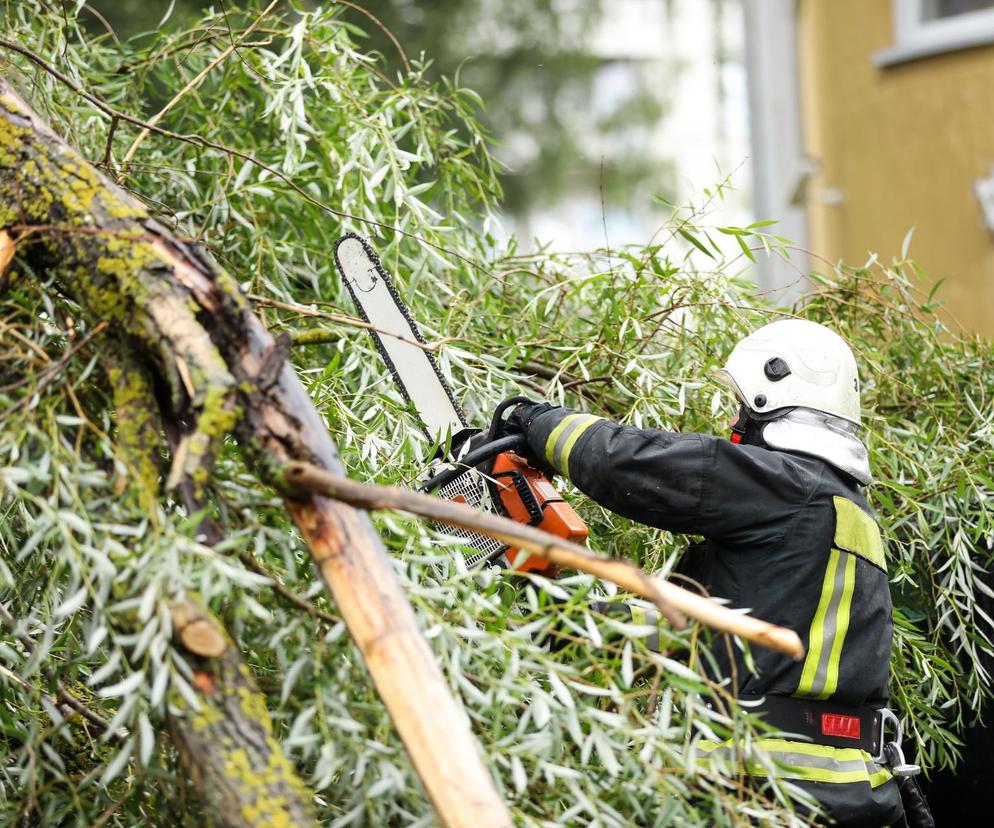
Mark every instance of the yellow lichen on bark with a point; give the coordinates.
(227, 744)
(137, 433)
(214, 367)
(125, 270)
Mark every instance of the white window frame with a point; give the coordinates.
(915, 37)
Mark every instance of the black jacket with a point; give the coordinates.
(788, 537)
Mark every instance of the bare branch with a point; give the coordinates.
(672, 601)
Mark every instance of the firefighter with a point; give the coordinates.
(789, 535)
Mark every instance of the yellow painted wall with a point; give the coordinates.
(902, 146)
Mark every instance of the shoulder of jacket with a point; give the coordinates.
(803, 473)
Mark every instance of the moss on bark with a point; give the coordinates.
(124, 269)
(156, 292)
(138, 437)
(215, 369)
(227, 745)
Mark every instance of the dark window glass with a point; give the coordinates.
(935, 9)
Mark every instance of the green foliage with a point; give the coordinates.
(534, 63)
(603, 732)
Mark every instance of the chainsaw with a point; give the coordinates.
(484, 468)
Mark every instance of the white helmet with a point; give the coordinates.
(794, 363)
(800, 379)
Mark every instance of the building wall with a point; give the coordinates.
(777, 152)
(898, 147)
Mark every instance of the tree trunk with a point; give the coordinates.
(215, 371)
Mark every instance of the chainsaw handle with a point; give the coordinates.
(473, 458)
(497, 422)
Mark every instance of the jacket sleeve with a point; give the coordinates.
(694, 483)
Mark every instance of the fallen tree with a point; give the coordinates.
(270, 145)
(185, 336)
(183, 330)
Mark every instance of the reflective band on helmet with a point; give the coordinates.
(857, 532)
(820, 674)
(804, 761)
(564, 437)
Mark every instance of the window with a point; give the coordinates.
(931, 27)
(935, 9)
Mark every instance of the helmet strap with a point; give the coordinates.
(747, 428)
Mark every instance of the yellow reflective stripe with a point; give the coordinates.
(571, 441)
(561, 426)
(841, 628)
(857, 532)
(772, 746)
(564, 436)
(808, 762)
(816, 634)
(822, 775)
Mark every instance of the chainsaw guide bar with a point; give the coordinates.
(501, 482)
(398, 339)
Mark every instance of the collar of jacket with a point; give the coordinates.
(821, 435)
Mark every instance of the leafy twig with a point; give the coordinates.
(200, 141)
(191, 85)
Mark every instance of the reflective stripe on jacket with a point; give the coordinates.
(805, 761)
(788, 537)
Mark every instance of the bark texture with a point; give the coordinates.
(215, 370)
(227, 744)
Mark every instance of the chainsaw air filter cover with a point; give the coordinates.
(472, 488)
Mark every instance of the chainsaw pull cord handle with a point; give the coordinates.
(487, 451)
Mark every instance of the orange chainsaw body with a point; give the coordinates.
(528, 497)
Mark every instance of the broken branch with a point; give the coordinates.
(227, 743)
(170, 306)
(673, 601)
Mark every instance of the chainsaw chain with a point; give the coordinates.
(377, 337)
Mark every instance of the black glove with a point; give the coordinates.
(916, 811)
(522, 415)
(518, 422)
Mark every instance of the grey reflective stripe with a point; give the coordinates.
(564, 437)
(820, 674)
(799, 760)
